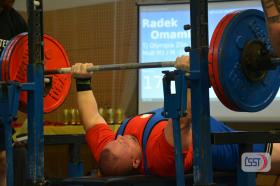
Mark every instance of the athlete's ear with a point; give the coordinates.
(136, 163)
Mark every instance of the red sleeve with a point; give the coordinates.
(97, 137)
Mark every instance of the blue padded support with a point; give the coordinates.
(156, 118)
(123, 126)
(225, 157)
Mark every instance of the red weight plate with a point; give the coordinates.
(8, 53)
(3, 65)
(20, 76)
(227, 101)
(213, 78)
(8, 61)
(55, 57)
(4, 62)
(213, 61)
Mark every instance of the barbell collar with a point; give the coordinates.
(126, 66)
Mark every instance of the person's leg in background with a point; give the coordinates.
(19, 161)
(20, 164)
(277, 181)
(2, 168)
(275, 159)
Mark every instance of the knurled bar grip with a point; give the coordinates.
(114, 67)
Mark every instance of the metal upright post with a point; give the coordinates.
(6, 120)
(174, 108)
(180, 180)
(9, 98)
(202, 166)
(245, 178)
(35, 96)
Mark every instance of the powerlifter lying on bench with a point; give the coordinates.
(123, 153)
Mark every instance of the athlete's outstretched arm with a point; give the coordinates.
(87, 104)
(182, 63)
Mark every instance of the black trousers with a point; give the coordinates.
(20, 165)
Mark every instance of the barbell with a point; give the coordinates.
(109, 67)
(243, 74)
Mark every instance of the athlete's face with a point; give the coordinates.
(128, 151)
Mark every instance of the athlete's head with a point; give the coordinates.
(121, 156)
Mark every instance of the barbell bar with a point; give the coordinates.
(108, 67)
(271, 63)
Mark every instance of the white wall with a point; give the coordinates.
(60, 4)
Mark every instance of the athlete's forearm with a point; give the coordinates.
(272, 13)
(88, 109)
(87, 104)
(186, 134)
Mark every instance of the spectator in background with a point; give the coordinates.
(272, 14)
(11, 24)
